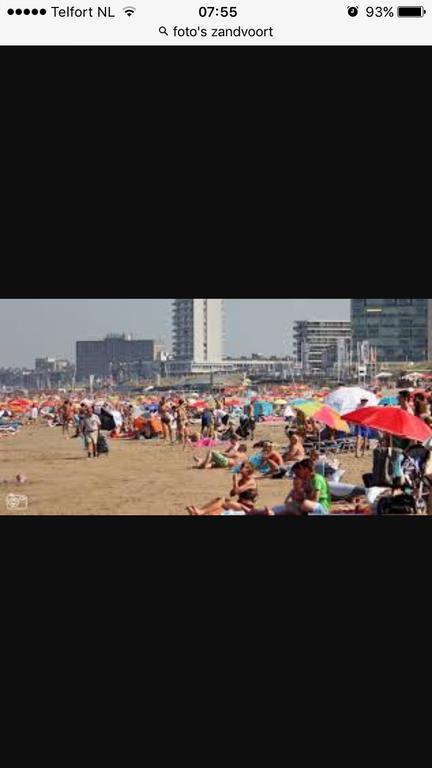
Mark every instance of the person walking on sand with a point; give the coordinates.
(208, 423)
(164, 413)
(91, 430)
(181, 419)
(67, 416)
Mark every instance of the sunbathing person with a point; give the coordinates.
(235, 454)
(293, 454)
(244, 488)
(295, 451)
(234, 445)
(272, 460)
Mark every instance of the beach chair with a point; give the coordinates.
(346, 445)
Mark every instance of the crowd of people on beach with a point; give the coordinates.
(218, 436)
(308, 467)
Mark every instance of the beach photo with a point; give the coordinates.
(216, 407)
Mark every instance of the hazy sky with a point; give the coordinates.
(32, 328)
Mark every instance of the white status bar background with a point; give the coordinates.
(292, 22)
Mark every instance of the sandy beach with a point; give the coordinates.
(137, 478)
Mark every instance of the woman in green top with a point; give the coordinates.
(310, 494)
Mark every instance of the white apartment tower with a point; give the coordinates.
(198, 330)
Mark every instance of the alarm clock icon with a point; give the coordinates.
(353, 10)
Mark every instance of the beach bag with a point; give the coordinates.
(102, 445)
(243, 431)
(226, 435)
(397, 505)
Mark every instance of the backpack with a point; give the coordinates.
(102, 445)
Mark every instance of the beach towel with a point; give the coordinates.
(256, 462)
(207, 442)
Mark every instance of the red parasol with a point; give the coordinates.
(393, 421)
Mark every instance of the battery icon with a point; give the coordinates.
(411, 11)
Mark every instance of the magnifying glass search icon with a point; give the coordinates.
(163, 31)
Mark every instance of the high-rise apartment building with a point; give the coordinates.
(315, 340)
(198, 331)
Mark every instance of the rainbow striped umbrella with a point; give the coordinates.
(324, 414)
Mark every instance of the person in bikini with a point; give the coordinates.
(181, 421)
(67, 417)
(164, 413)
(272, 460)
(235, 454)
(295, 451)
(244, 488)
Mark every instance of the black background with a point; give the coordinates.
(308, 164)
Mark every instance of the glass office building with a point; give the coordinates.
(398, 328)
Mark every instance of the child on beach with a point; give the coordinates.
(34, 413)
(191, 436)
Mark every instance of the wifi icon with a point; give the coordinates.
(129, 10)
